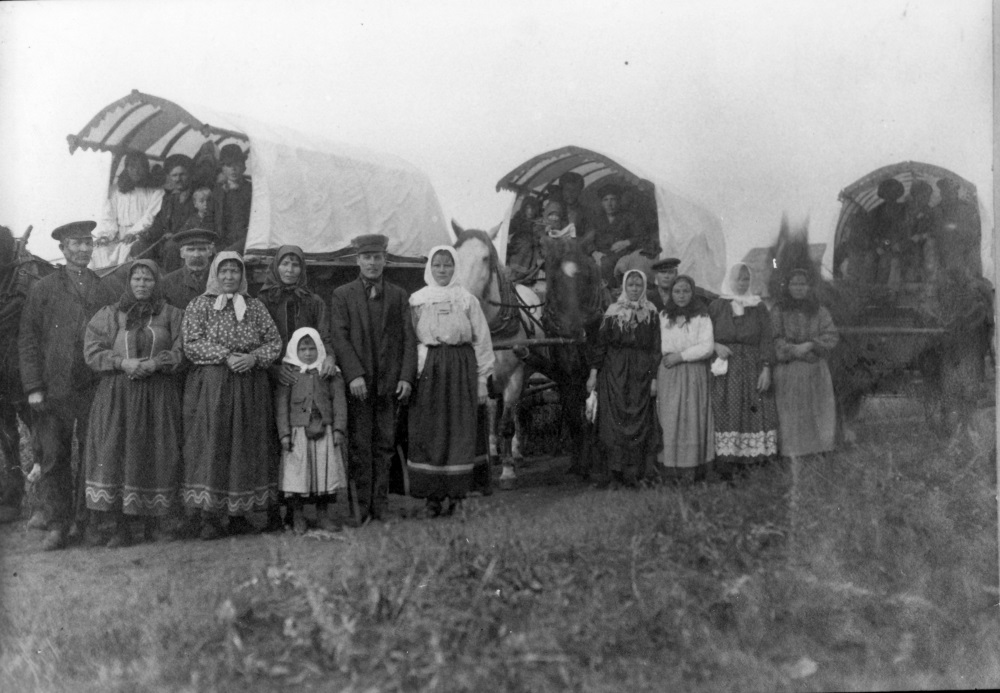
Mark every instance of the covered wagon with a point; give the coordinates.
(307, 190)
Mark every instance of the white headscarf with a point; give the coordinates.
(292, 350)
(433, 292)
(739, 302)
(213, 288)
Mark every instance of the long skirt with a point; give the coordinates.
(133, 455)
(683, 402)
(230, 441)
(312, 467)
(442, 425)
(806, 408)
(626, 410)
(746, 421)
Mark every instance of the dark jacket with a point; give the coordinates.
(293, 405)
(180, 287)
(309, 311)
(53, 325)
(232, 215)
(352, 337)
(16, 281)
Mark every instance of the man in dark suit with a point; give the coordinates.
(376, 349)
(666, 273)
(232, 198)
(182, 286)
(56, 379)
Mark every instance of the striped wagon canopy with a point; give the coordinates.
(543, 169)
(157, 127)
(860, 197)
(687, 230)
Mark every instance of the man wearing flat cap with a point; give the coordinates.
(57, 381)
(666, 271)
(376, 348)
(197, 248)
(156, 243)
(232, 199)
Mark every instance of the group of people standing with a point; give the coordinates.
(196, 406)
(684, 384)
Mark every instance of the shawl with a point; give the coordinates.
(273, 284)
(628, 313)
(433, 292)
(695, 307)
(213, 288)
(139, 312)
(739, 302)
(292, 351)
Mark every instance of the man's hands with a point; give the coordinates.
(358, 388)
(360, 391)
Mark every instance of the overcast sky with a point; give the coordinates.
(750, 108)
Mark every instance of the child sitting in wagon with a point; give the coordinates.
(312, 418)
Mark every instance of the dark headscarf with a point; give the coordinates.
(808, 305)
(139, 312)
(694, 308)
(273, 286)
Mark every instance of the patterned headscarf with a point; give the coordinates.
(739, 302)
(628, 313)
(213, 288)
(292, 350)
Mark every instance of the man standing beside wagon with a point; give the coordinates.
(56, 379)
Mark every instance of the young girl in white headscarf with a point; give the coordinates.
(623, 371)
(746, 416)
(454, 361)
(311, 415)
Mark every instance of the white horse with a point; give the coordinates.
(509, 308)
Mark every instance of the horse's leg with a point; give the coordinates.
(508, 427)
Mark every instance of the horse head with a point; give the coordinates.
(477, 260)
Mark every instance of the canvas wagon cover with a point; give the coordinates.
(687, 230)
(307, 190)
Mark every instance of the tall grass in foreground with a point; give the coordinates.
(885, 578)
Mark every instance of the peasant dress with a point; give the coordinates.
(807, 413)
(230, 440)
(746, 421)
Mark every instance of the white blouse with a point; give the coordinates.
(693, 339)
(124, 213)
(459, 320)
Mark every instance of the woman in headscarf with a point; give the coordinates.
(292, 305)
(230, 443)
(746, 417)
(683, 396)
(623, 371)
(804, 335)
(133, 462)
(454, 361)
(130, 210)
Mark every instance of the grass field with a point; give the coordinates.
(877, 571)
